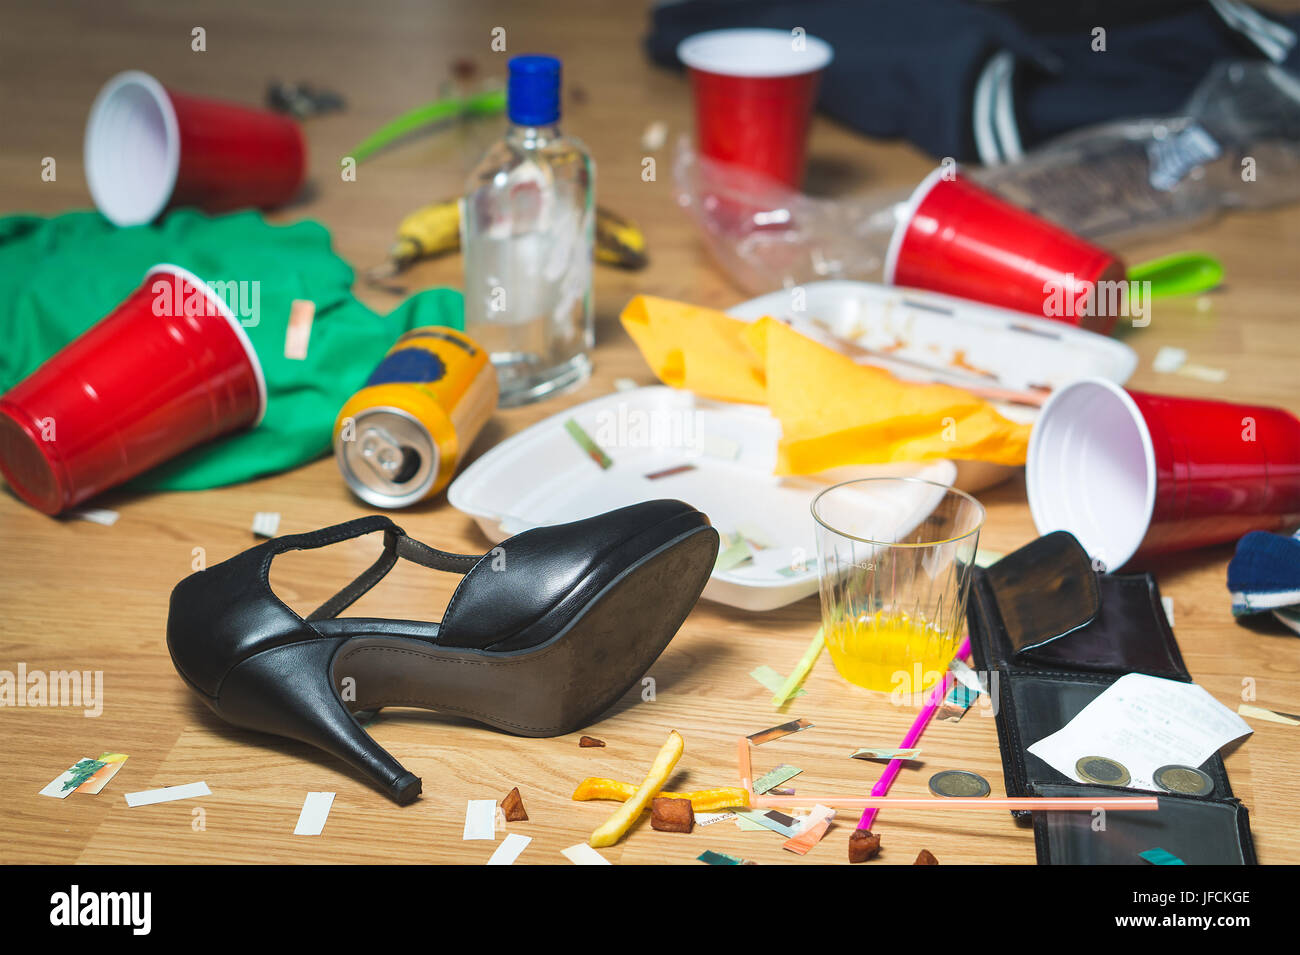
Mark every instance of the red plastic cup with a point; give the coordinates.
(168, 369)
(149, 148)
(957, 238)
(1134, 474)
(754, 95)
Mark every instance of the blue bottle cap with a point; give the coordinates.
(533, 93)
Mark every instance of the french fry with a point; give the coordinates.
(702, 800)
(618, 824)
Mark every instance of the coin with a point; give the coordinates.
(958, 782)
(1184, 779)
(1099, 769)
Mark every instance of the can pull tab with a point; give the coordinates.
(387, 457)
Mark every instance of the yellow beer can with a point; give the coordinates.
(401, 437)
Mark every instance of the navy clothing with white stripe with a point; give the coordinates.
(973, 82)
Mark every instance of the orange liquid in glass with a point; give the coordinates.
(882, 651)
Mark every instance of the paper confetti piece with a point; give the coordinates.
(987, 558)
(297, 336)
(266, 523)
(63, 785)
(776, 732)
(772, 680)
(509, 850)
(1161, 857)
(787, 826)
(815, 826)
(625, 384)
(955, 705)
(1168, 604)
(583, 854)
(315, 810)
(716, 446)
(112, 762)
(755, 535)
(150, 797)
(801, 669)
(885, 752)
(1268, 716)
(480, 819)
(1214, 376)
(654, 136)
(96, 515)
(584, 441)
(709, 818)
(709, 857)
(966, 676)
(733, 553)
(775, 777)
(669, 472)
(1169, 359)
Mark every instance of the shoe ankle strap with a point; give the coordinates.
(396, 544)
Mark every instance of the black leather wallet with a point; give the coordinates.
(1053, 634)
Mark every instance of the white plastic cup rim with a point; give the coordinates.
(904, 215)
(132, 149)
(1091, 470)
(755, 53)
(165, 268)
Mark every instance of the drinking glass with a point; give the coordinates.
(895, 558)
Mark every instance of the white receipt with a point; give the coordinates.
(1143, 722)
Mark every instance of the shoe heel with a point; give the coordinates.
(289, 691)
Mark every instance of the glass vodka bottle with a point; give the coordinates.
(528, 235)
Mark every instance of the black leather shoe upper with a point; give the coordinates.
(519, 595)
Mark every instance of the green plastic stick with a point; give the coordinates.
(1183, 273)
(490, 103)
(801, 668)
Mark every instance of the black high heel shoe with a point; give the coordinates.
(542, 635)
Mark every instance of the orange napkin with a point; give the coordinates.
(833, 411)
(698, 349)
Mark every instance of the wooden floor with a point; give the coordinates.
(75, 595)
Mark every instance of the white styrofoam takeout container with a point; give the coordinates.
(1017, 350)
(541, 476)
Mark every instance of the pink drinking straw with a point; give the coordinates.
(918, 727)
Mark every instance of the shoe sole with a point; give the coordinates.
(547, 690)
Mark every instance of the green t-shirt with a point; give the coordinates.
(59, 276)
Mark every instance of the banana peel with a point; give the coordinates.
(434, 230)
(619, 242)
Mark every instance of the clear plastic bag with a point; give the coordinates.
(1236, 145)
